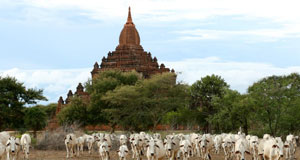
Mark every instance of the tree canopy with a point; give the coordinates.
(150, 99)
(202, 93)
(276, 100)
(13, 98)
(99, 86)
(35, 119)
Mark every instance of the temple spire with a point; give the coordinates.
(129, 35)
(129, 19)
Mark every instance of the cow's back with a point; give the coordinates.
(25, 139)
(4, 136)
(2, 150)
(261, 146)
(161, 152)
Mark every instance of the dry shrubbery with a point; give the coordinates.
(54, 140)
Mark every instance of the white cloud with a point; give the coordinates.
(278, 10)
(284, 13)
(54, 82)
(265, 35)
(188, 9)
(239, 75)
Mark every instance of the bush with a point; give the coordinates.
(54, 140)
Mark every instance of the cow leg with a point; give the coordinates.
(72, 151)
(178, 155)
(133, 152)
(77, 149)
(67, 149)
(7, 155)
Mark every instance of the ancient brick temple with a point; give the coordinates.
(129, 55)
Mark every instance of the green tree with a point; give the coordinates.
(97, 87)
(183, 116)
(49, 109)
(202, 93)
(74, 112)
(35, 119)
(126, 109)
(276, 99)
(233, 110)
(13, 97)
(145, 104)
(161, 95)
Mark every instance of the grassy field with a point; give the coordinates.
(61, 155)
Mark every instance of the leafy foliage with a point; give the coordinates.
(74, 112)
(13, 98)
(276, 99)
(202, 93)
(150, 99)
(233, 111)
(35, 119)
(49, 109)
(99, 86)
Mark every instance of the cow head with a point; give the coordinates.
(185, 147)
(12, 144)
(152, 148)
(123, 152)
(68, 139)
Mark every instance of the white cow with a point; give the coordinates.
(155, 150)
(260, 150)
(180, 136)
(228, 146)
(271, 150)
(195, 138)
(172, 147)
(2, 150)
(25, 144)
(185, 149)
(79, 144)
(143, 138)
(123, 140)
(4, 136)
(70, 143)
(241, 147)
(206, 144)
(131, 137)
(291, 140)
(156, 136)
(266, 136)
(104, 151)
(89, 141)
(254, 147)
(248, 137)
(138, 143)
(12, 148)
(217, 143)
(98, 136)
(290, 146)
(280, 145)
(131, 141)
(123, 152)
(101, 137)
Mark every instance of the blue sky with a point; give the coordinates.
(53, 44)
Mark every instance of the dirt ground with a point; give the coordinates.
(61, 155)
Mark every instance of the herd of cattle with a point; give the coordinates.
(12, 145)
(172, 147)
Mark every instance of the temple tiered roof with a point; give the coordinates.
(130, 55)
